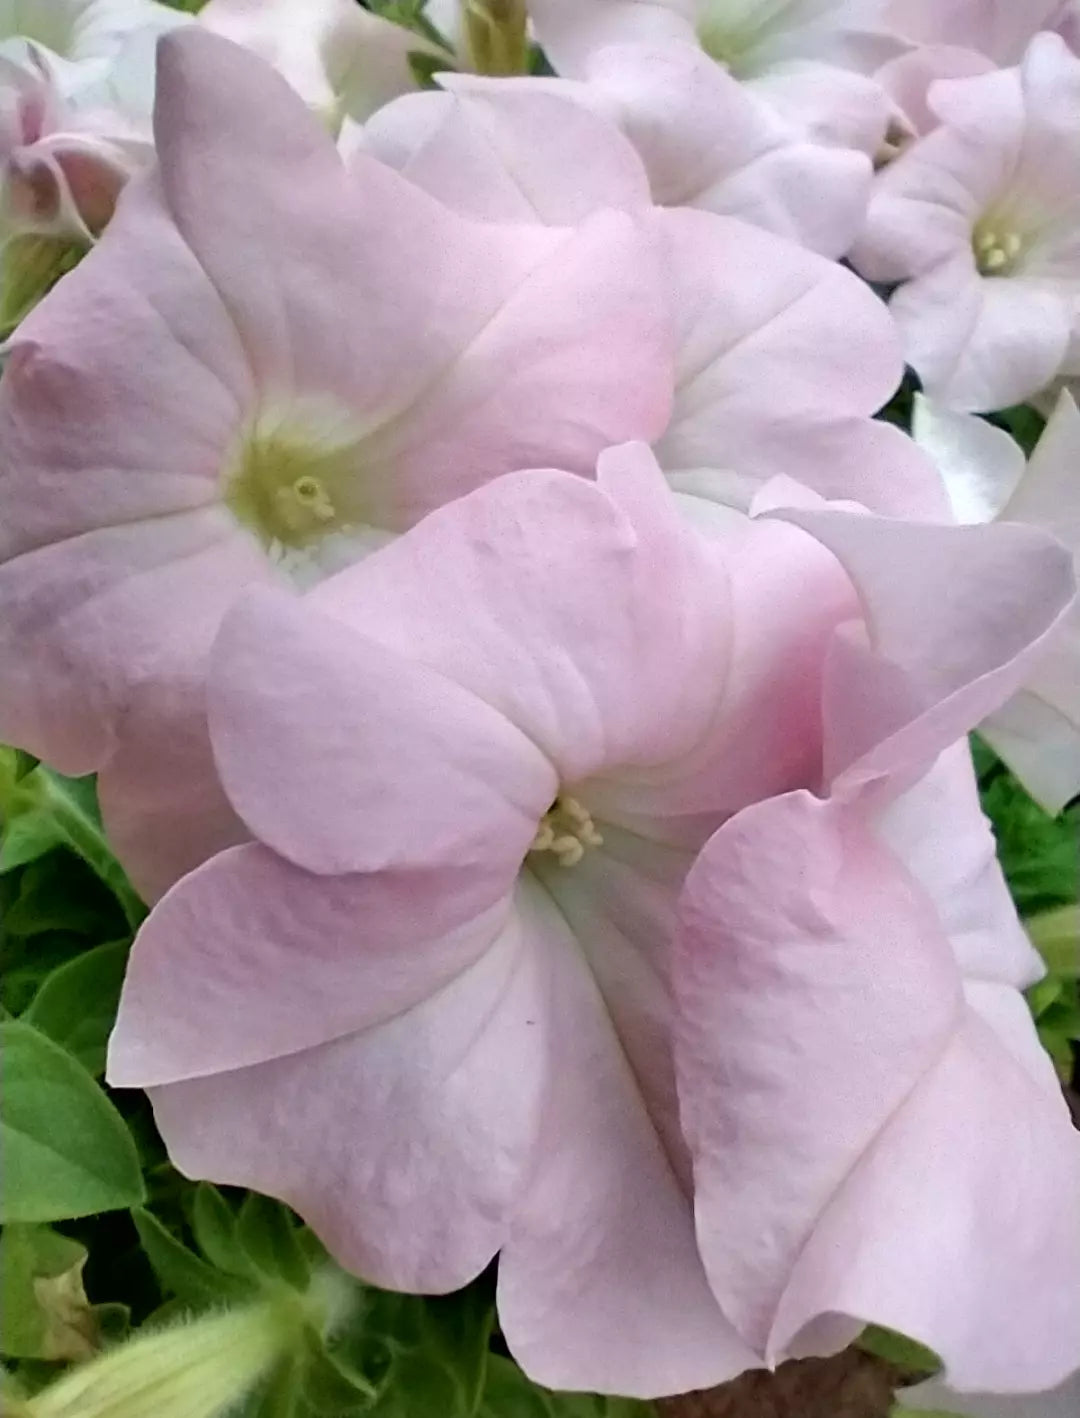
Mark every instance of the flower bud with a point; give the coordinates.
(197, 1368)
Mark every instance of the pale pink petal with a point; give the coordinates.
(964, 1212)
(232, 139)
(1040, 744)
(619, 903)
(546, 609)
(1000, 29)
(600, 1284)
(110, 485)
(92, 616)
(939, 657)
(938, 830)
(981, 465)
(788, 595)
(164, 809)
(578, 358)
(908, 79)
(708, 142)
(501, 150)
(1038, 733)
(424, 1127)
(347, 757)
(92, 428)
(255, 958)
(754, 314)
(338, 57)
(571, 31)
(814, 988)
(831, 105)
(982, 343)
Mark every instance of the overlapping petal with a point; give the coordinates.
(815, 908)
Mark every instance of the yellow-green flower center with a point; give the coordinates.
(999, 249)
(296, 478)
(566, 831)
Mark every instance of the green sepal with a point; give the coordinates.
(184, 1275)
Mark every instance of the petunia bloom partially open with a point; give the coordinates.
(61, 169)
(979, 225)
(216, 398)
(434, 1006)
(1038, 732)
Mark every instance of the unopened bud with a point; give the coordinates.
(496, 33)
(198, 1368)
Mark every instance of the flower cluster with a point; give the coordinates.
(446, 508)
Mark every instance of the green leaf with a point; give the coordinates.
(1037, 852)
(278, 1397)
(268, 1235)
(28, 836)
(331, 1387)
(1056, 936)
(51, 897)
(1024, 423)
(76, 1006)
(1044, 995)
(42, 1300)
(181, 1272)
(73, 805)
(25, 763)
(30, 266)
(438, 1347)
(67, 1151)
(898, 1350)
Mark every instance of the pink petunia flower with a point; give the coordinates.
(979, 222)
(61, 169)
(437, 1009)
(266, 367)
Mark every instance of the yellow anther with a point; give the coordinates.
(569, 850)
(997, 250)
(566, 831)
